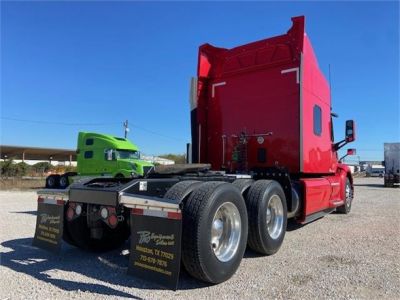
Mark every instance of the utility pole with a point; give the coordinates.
(126, 129)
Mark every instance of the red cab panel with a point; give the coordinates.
(263, 104)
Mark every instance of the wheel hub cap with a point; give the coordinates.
(274, 218)
(226, 231)
(349, 195)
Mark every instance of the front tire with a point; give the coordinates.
(214, 232)
(267, 209)
(348, 194)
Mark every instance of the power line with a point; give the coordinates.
(57, 123)
(156, 133)
(90, 124)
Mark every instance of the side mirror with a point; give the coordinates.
(335, 115)
(351, 151)
(350, 133)
(109, 155)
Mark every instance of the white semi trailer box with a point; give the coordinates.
(392, 164)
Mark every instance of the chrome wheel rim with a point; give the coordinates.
(274, 217)
(349, 195)
(226, 231)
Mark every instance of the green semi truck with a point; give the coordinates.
(103, 155)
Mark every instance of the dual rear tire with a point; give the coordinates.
(218, 223)
(214, 232)
(52, 181)
(267, 210)
(56, 181)
(214, 228)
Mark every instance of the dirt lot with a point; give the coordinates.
(15, 184)
(353, 256)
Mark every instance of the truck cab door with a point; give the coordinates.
(109, 164)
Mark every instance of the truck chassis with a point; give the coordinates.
(204, 219)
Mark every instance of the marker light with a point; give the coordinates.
(70, 214)
(113, 220)
(78, 209)
(104, 213)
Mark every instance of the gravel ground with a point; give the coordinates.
(353, 256)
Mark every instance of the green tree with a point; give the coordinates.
(22, 168)
(8, 168)
(70, 169)
(42, 167)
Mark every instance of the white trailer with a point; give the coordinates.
(392, 164)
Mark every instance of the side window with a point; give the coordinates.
(88, 154)
(317, 120)
(109, 154)
(89, 142)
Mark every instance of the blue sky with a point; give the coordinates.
(89, 66)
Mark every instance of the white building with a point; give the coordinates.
(157, 160)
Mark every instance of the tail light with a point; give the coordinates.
(74, 210)
(70, 214)
(109, 216)
(104, 213)
(112, 220)
(78, 209)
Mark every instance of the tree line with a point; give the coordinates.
(9, 168)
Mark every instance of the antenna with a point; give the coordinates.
(126, 129)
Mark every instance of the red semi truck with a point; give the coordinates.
(262, 152)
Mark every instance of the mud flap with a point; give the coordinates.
(49, 224)
(155, 253)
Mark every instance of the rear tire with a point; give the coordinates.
(267, 210)
(214, 232)
(348, 196)
(182, 189)
(243, 185)
(52, 181)
(64, 182)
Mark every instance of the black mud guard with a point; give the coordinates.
(49, 224)
(155, 250)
